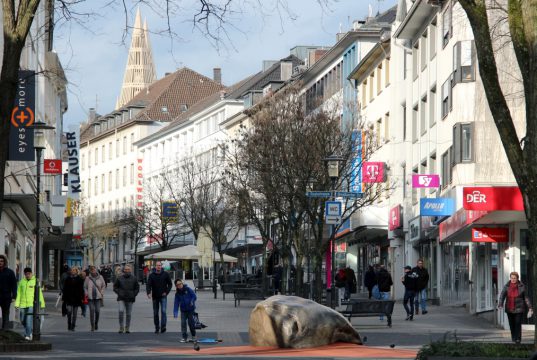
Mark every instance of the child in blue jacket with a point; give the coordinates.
(185, 299)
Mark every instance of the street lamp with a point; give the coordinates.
(332, 164)
(39, 145)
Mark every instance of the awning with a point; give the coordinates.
(188, 252)
(415, 19)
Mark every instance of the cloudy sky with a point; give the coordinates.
(93, 49)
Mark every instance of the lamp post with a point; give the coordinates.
(39, 145)
(332, 164)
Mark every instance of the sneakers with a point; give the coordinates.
(121, 330)
(424, 312)
(163, 330)
(157, 331)
(127, 331)
(183, 340)
(28, 338)
(194, 339)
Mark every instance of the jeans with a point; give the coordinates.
(72, 310)
(515, 325)
(384, 295)
(409, 297)
(5, 305)
(27, 320)
(94, 311)
(187, 315)
(162, 302)
(125, 307)
(421, 297)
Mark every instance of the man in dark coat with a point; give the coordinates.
(158, 287)
(384, 282)
(410, 281)
(350, 282)
(126, 287)
(8, 290)
(369, 280)
(421, 292)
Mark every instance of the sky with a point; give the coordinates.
(93, 49)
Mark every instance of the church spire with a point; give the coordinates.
(140, 71)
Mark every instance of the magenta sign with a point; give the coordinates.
(425, 181)
(373, 172)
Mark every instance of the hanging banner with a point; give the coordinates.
(72, 144)
(425, 181)
(484, 234)
(21, 134)
(52, 166)
(373, 172)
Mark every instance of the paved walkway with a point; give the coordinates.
(230, 324)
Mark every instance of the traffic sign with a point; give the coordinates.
(349, 194)
(332, 208)
(332, 220)
(319, 194)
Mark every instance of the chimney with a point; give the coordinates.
(217, 75)
(286, 70)
(92, 114)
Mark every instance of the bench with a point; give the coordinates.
(229, 288)
(248, 293)
(201, 284)
(364, 307)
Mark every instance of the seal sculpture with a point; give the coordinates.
(293, 322)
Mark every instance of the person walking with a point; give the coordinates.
(369, 280)
(25, 301)
(185, 300)
(158, 287)
(126, 287)
(410, 281)
(515, 295)
(350, 282)
(94, 286)
(8, 290)
(73, 296)
(384, 282)
(66, 271)
(421, 293)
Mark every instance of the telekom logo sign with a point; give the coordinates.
(394, 220)
(492, 198)
(373, 172)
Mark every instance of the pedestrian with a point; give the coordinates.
(384, 282)
(421, 293)
(158, 287)
(410, 281)
(145, 274)
(185, 300)
(126, 287)
(84, 306)
(25, 301)
(278, 273)
(369, 280)
(340, 281)
(73, 296)
(65, 274)
(515, 295)
(8, 290)
(350, 282)
(94, 286)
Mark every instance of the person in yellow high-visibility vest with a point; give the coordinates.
(25, 301)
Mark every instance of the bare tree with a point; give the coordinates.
(521, 151)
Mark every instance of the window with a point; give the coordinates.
(463, 143)
(404, 182)
(89, 158)
(415, 54)
(102, 184)
(404, 64)
(110, 181)
(423, 53)
(364, 94)
(89, 187)
(96, 184)
(132, 142)
(415, 124)
(463, 62)
(110, 150)
(446, 97)
(371, 96)
(124, 176)
(446, 168)
(423, 170)
(117, 148)
(447, 27)
(387, 127)
(124, 145)
(414, 190)
(96, 155)
(379, 79)
(432, 106)
(83, 162)
(103, 154)
(132, 174)
(387, 72)
(423, 115)
(432, 40)
(378, 132)
(432, 166)
(117, 178)
(404, 122)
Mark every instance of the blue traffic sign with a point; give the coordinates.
(333, 208)
(319, 194)
(348, 194)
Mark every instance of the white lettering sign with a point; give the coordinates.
(73, 152)
(476, 197)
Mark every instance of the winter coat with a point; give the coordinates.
(410, 281)
(350, 279)
(423, 277)
(384, 280)
(158, 284)
(185, 299)
(25, 294)
(520, 300)
(8, 284)
(126, 287)
(369, 279)
(73, 291)
(97, 283)
(340, 278)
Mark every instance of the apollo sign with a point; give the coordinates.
(436, 206)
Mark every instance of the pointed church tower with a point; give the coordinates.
(140, 71)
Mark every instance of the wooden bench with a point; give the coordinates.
(364, 307)
(248, 293)
(229, 288)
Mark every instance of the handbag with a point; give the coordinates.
(197, 323)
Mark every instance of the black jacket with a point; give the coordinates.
(384, 280)
(158, 284)
(126, 287)
(8, 284)
(73, 291)
(369, 279)
(423, 277)
(410, 280)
